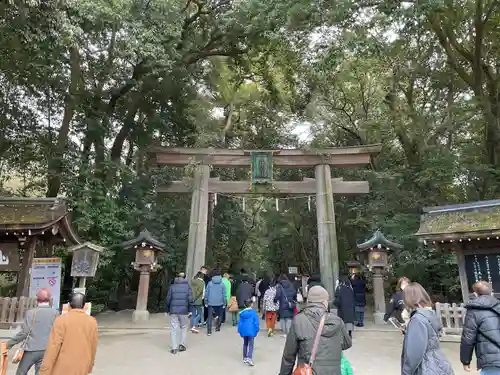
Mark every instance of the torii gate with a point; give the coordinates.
(262, 162)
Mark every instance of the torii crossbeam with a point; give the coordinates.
(322, 185)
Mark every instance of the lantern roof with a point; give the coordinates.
(145, 238)
(378, 239)
(86, 245)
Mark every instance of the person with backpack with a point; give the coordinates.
(422, 354)
(244, 292)
(198, 288)
(271, 308)
(286, 296)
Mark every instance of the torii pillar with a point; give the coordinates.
(197, 240)
(327, 233)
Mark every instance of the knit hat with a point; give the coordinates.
(317, 294)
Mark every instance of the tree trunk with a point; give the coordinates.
(55, 163)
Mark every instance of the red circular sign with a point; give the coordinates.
(52, 282)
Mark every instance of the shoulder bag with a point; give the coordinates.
(290, 304)
(18, 355)
(306, 368)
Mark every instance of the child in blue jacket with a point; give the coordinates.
(248, 328)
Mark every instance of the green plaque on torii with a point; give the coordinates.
(262, 167)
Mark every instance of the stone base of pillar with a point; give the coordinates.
(140, 315)
(378, 318)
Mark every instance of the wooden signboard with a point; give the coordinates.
(483, 267)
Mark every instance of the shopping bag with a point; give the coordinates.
(345, 366)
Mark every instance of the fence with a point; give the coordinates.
(452, 317)
(12, 310)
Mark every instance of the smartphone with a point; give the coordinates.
(397, 324)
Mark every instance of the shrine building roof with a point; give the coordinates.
(36, 215)
(476, 220)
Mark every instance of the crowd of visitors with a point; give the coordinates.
(315, 337)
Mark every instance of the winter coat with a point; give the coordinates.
(395, 307)
(215, 295)
(248, 324)
(286, 296)
(179, 297)
(482, 331)
(344, 301)
(198, 288)
(244, 292)
(269, 298)
(72, 345)
(300, 339)
(227, 284)
(359, 288)
(421, 352)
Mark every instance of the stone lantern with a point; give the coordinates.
(375, 253)
(84, 262)
(146, 248)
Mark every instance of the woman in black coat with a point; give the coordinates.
(344, 302)
(286, 295)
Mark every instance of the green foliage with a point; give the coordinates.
(87, 86)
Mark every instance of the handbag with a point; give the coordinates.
(18, 355)
(306, 368)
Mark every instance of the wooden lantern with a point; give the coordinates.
(145, 257)
(377, 258)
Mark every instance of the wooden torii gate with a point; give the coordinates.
(322, 185)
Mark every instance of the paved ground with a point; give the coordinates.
(136, 352)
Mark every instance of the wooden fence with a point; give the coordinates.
(12, 310)
(452, 317)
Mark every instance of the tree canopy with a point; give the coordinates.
(86, 86)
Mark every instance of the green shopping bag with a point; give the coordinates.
(345, 366)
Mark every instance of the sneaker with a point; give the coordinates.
(209, 334)
(269, 332)
(182, 348)
(194, 330)
(245, 360)
(217, 330)
(250, 362)
(173, 351)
